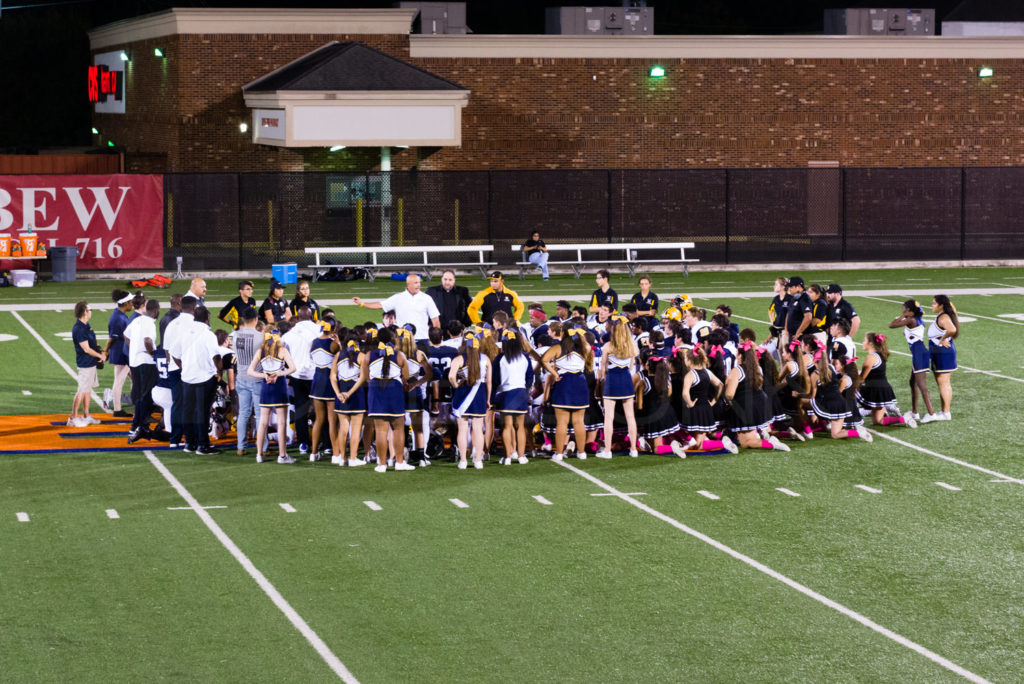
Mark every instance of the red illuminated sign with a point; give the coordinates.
(104, 83)
(268, 122)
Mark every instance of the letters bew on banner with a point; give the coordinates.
(116, 220)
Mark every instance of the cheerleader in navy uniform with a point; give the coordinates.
(874, 391)
(920, 360)
(617, 369)
(321, 392)
(349, 385)
(470, 375)
(273, 364)
(828, 403)
(386, 373)
(513, 374)
(420, 374)
(567, 362)
(701, 390)
(748, 414)
(941, 333)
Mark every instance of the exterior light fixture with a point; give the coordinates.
(157, 52)
(657, 71)
(335, 148)
(986, 72)
(243, 127)
(95, 131)
(110, 143)
(124, 56)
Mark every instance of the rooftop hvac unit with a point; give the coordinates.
(880, 22)
(438, 17)
(631, 21)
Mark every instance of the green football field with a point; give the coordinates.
(900, 560)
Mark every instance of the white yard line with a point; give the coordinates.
(785, 491)
(540, 499)
(957, 461)
(948, 486)
(460, 503)
(26, 393)
(287, 508)
(706, 494)
(793, 584)
(870, 490)
(315, 641)
(112, 514)
(22, 517)
(55, 355)
(189, 508)
(373, 506)
(627, 494)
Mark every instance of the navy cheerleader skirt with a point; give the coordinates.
(387, 401)
(355, 404)
(274, 394)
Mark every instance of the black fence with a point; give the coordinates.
(250, 221)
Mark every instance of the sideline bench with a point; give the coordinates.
(423, 263)
(632, 255)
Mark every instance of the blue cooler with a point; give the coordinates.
(286, 274)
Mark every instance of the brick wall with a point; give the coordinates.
(546, 113)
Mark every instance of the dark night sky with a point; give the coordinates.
(44, 49)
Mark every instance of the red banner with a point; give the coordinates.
(116, 220)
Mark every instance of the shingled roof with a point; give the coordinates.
(349, 66)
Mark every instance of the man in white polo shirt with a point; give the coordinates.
(410, 306)
(200, 363)
(140, 338)
(173, 334)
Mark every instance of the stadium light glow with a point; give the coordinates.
(95, 131)
(657, 71)
(986, 72)
(157, 52)
(124, 56)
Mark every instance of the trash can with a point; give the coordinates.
(64, 262)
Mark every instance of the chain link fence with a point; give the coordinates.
(250, 221)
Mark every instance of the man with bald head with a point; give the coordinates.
(196, 291)
(410, 306)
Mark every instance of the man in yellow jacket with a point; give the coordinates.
(494, 298)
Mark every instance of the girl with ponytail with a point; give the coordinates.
(618, 366)
(749, 408)
(272, 364)
(874, 391)
(567, 363)
(470, 375)
(701, 391)
(349, 385)
(387, 373)
(920, 360)
(941, 333)
(828, 402)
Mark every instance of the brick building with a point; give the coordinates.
(575, 102)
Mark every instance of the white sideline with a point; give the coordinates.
(965, 464)
(315, 641)
(806, 591)
(55, 355)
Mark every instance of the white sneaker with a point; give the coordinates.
(108, 400)
(634, 453)
(391, 462)
(462, 464)
(91, 420)
(678, 449)
(795, 434)
(523, 460)
(915, 415)
(557, 458)
(865, 435)
(865, 411)
(909, 420)
(314, 456)
(946, 415)
(381, 468)
(80, 422)
(777, 443)
(690, 443)
(930, 418)
(504, 460)
(285, 460)
(478, 463)
(809, 435)
(259, 457)
(570, 449)
(71, 421)
(642, 445)
(730, 445)
(603, 454)
(582, 455)
(337, 460)
(353, 462)
(404, 466)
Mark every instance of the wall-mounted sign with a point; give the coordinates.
(107, 84)
(268, 124)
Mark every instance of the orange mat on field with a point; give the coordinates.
(51, 434)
